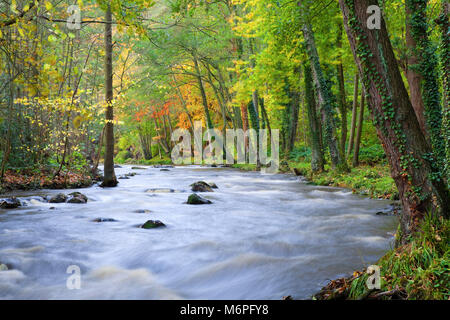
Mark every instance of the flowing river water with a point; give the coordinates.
(264, 237)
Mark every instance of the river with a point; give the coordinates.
(264, 237)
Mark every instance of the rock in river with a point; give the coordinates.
(213, 185)
(104, 220)
(77, 197)
(152, 224)
(10, 203)
(201, 186)
(162, 166)
(196, 199)
(160, 190)
(59, 198)
(138, 168)
(142, 211)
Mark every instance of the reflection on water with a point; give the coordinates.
(264, 237)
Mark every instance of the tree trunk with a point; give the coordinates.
(203, 94)
(354, 112)
(245, 127)
(161, 139)
(443, 22)
(266, 117)
(342, 97)
(414, 78)
(293, 121)
(146, 144)
(325, 99)
(110, 179)
(397, 126)
(317, 157)
(359, 130)
(428, 69)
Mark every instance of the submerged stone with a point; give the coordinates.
(160, 190)
(157, 166)
(104, 220)
(142, 211)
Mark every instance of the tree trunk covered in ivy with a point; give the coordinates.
(412, 74)
(110, 179)
(317, 157)
(442, 21)
(428, 69)
(327, 105)
(409, 155)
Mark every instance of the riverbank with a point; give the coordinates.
(372, 181)
(416, 271)
(154, 161)
(27, 179)
(34, 179)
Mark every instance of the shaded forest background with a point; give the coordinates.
(230, 64)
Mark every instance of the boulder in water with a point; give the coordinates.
(201, 186)
(3, 267)
(77, 197)
(123, 177)
(196, 199)
(152, 224)
(138, 168)
(213, 185)
(59, 198)
(10, 203)
(117, 166)
(164, 169)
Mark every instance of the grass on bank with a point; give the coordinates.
(371, 180)
(416, 271)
